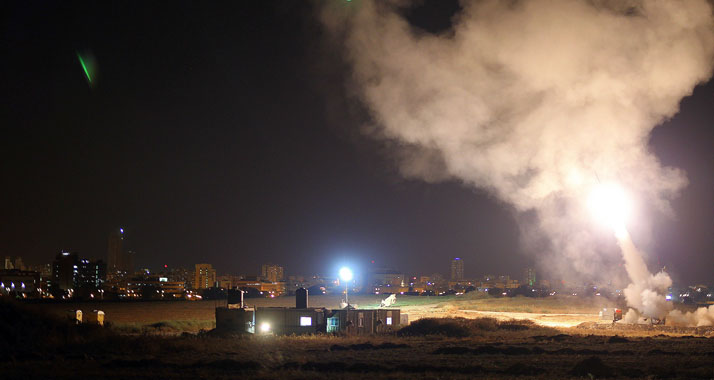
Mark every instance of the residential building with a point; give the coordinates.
(205, 276)
(70, 272)
(272, 273)
(529, 277)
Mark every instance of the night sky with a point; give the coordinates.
(222, 133)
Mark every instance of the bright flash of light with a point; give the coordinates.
(609, 203)
(345, 274)
(265, 327)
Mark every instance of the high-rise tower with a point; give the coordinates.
(115, 252)
(457, 269)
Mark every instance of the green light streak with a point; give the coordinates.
(84, 67)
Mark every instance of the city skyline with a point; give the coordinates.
(240, 145)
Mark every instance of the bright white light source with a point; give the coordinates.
(305, 321)
(265, 327)
(609, 203)
(345, 274)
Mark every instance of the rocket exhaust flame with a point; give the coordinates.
(609, 203)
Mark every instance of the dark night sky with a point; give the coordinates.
(220, 133)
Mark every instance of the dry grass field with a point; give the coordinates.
(184, 316)
(433, 348)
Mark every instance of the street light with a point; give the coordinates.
(346, 276)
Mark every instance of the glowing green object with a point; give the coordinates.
(84, 67)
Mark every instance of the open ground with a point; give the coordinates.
(564, 311)
(163, 339)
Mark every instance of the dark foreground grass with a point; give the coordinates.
(36, 346)
(463, 327)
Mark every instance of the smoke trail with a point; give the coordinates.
(528, 99)
(647, 292)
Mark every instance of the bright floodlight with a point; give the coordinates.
(265, 327)
(345, 274)
(609, 203)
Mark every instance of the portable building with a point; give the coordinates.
(363, 321)
(286, 321)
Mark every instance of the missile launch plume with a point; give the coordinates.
(528, 99)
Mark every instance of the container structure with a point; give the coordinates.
(235, 320)
(288, 321)
(363, 321)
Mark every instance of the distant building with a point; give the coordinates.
(13, 263)
(227, 281)
(64, 269)
(272, 273)
(129, 261)
(18, 282)
(115, 250)
(529, 277)
(70, 272)
(382, 278)
(154, 287)
(178, 275)
(438, 280)
(118, 261)
(271, 288)
(457, 269)
(205, 276)
(91, 274)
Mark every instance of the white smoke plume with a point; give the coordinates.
(647, 292)
(703, 316)
(530, 100)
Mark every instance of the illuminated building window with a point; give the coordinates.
(389, 320)
(305, 321)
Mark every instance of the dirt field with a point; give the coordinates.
(546, 349)
(135, 317)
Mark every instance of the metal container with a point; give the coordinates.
(301, 298)
(235, 320)
(285, 321)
